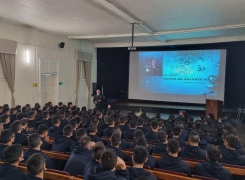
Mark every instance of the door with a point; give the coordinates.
(48, 88)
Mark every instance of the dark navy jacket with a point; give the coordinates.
(107, 132)
(78, 160)
(63, 123)
(203, 144)
(74, 136)
(30, 177)
(12, 118)
(11, 172)
(124, 144)
(151, 137)
(182, 142)
(49, 161)
(6, 126)
(231, 157)
(20, 139)
(123, 127)
(75, 144)
(119, 153)
(54, 131)
(238, 149)
(2, 147)
(134, 173)
(193, 152)
(151, 162)
(48, 122)
(212, 170)
(31, 123)
(94, 138)
(184, 135)
(160, 148)
(208, 138)
(144, 129)
(173, 164)
(102, 174)
(91, 165)
(62, 144)
(133, 144)
(45, 145)
(129, 134)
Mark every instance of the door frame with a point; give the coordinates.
(54, 73)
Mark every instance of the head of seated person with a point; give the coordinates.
(36, 165)
(34, 141)
(16, 126)
(13, 154)
(93, 129)
(31, 115)
(122, 120)
(160, 123)
(213, 153)
(56, 121)
(133, 124)
(231, 141)
(115, 140)
(7, 137)
(173, 147)
(116, 129)
(24, 123)
(176, 131)
(95, 120)
(108, 159)
(80, 133)
(141, 141)
(140, 156)
(228, 128)
(4, 118)
(194, 138)
(138, 133)
(45, 115)
(154, 126)
(86, 142)
(180, 124)
(141, 122)
(68, 131)
(42, 130)
(162, 137)
(97, 150)
(74, 123)
(111, 121)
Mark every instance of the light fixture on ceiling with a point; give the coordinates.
(27, 56)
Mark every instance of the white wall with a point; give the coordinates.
(45, 46)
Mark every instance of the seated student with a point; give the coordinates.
(80, 157)
(151, 162)
(122, 123)
(46, 119)
(139, 158)
(24, 123)
(5, 120)
(209, 139)
(141, 123)
(35, 143)
(36, 165)
(176, 132)
(161, 148)
(152, 135)
(218, 135)
(137, 133)
(211, 168)
(229, 153)
(74, 123)
(97, 150)
(202, 143)
(13, 155)
(80, 133)
(107, 170)
(93, 129)
(31, 119)
(7, 138)
(183, 134)
(63, 142)
(42, 130)
(12, 116)
(19, 137)
(84, 117)
(171, 161)
(63, 121)
(54, 130)
(129, 134)
(111, 123)
(161, 125)
(124, 144)
(115, 143)
(193, 151)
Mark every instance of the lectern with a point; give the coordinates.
(215, 107)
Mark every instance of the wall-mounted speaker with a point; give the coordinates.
(61, 45)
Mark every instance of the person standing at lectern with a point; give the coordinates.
(98, 99)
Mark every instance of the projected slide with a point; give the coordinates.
(169, 75)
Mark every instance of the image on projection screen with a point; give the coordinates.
(177, 76)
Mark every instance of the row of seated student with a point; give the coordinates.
(13, 155)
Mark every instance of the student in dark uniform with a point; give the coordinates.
(211, 168)
(137, 133)
(152, 135)
(5, 120)
(46, 119)
(19, 137)
(36, 165)
(13, 155)
(7, 137)
(124, 144)
(80, 133)
(111, 123)
(171, 161)
(42, 130)
(176, 132)
(141, 123)
(55, 130)
(93, 129)
(161, 147)
(122, 123)
(129, 134)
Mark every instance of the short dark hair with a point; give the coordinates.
(45, 114)
(6, 135)
(6, 109)
(213, 153)
(93, 128)
(20, 116)
(115, 139)
(173, 145)
(34, 140)
(141, 121)
(231, 140)
(81, 132)
(140, 154)
(67, 130)
(194, 137)
(3, 118)
(60, 103)
(16, 126)
(73, 122)
(204, 127)
(98, 149)
(123, 119)
(108, 159)
(24, 121)
(56, 119)
(30, 113)
(141, 141)
(42, 128)
(84, 141)
(133, 124)
(181, 124)
(162, 136)
(12, 153)
(116, 129)
(154, 124)
(111, 120)
(176, 130)
(228, 128)
(138, 133)
(35, 164)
